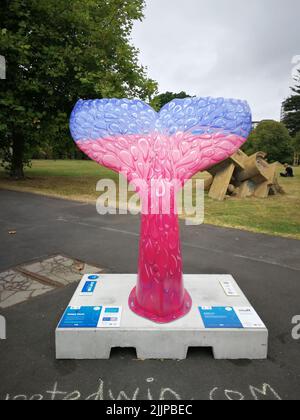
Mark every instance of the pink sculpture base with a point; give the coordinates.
(179, 313)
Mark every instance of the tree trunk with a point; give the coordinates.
(17, 161)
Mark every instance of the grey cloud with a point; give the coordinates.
(231, 48)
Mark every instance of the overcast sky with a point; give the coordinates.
(231, 48)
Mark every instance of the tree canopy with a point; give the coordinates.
(58, 51)
(273, 138)
(164, 98)
(291, 109)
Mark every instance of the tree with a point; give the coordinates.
(273, 138)
(291, 109)
(58, 51)
(164, 98)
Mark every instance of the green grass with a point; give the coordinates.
(76, 180)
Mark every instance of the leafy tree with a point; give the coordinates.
(291, 109)
(164, 98)
(273, 138)
(58, 51)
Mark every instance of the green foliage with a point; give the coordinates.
(58, 51)
(164, 98)
(292, 110)
(273, 138)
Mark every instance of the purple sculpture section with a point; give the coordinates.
(158, 153)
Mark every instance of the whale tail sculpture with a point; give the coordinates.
(158, 153)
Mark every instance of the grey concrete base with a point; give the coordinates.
(155, 341)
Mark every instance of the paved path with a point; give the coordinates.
(266, 268)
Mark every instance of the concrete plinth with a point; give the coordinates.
(161, 341)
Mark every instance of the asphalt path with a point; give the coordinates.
(266, 268)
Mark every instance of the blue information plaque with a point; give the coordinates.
(220, 317)
(81, 317)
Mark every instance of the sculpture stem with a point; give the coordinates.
(160, 294)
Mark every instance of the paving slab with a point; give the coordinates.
(16, 288)
(61, 269)
(28, 281)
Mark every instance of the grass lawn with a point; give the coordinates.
(76, 180)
